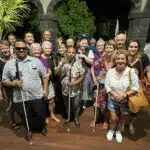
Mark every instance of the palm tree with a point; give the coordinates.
(12, 13)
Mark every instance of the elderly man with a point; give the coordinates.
(120, 40)
(24, 75)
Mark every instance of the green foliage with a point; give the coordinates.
(74, 17)
(12, 13)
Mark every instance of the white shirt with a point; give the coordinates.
(114, 83)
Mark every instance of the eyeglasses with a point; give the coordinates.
(21, 48)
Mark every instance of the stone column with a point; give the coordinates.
(47, 15)
(139, 20)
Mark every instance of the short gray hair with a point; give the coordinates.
(33, 46)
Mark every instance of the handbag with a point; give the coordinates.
(144, 82)
(138, 100)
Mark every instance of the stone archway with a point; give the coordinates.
(47, 15)
(139, 20)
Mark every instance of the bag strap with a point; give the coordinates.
(141, 69)
(130, 81)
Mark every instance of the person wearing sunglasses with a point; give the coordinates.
(24, 74)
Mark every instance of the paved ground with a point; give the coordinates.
(81, 139)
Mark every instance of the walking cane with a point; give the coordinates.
(95, 114)
(69, 101)
(22, 97)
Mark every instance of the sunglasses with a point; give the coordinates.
(21, 48)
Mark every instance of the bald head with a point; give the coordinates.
(120, 40)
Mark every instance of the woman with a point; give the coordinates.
(72, 74)
(140, 62)
(98, 71)
(117, 85)
(35, 50)
(110, 50)
(47, 49)
(86, 57)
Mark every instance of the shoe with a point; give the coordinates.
(118, 137)
(44, 131)
(110, 135)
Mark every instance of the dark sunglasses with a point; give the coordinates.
(21, 48)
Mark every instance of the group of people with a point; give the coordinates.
(67, 76)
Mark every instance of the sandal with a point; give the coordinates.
(92, 124)
(15, 126)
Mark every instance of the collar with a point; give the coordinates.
(28, 58)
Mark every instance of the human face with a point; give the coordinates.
(46, 36)
(5, 50)
(29, 38)
(12, 40)
(83, 44)
(109, 49)
(133, 48)
(120, 62)
(100, 46)
(47, 49)
(70, 42)
(71, 54)
(62, 49)
(37, 52)
(120, 40)
(21, 50)
(92, 42)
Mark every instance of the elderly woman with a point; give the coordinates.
(140, 62)
(86, 57)
(45, 59)
(35, 50)
(117, 85)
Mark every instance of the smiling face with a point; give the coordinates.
(46, 35)
(4, 49)
(120, 61)
(109, 49)
(70, 54)
(21, 50)
(120, 40)
(29, 38)
(83, 44)
(133, 48)
(100, 46)
(47, 49)
(62, 49)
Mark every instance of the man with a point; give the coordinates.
(12, 40)
(24, 75)
(47, 37)
(29, 38)
(120, 40)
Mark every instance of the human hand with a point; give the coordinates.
(18, 83)
(81, 56)
(71, 84)
(44, 93)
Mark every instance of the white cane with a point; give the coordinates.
(95, 114)
(69, 101)
(25, 113)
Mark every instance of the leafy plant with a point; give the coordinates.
(12, 14)
(74, 18)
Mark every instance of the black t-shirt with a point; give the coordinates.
(141, 64)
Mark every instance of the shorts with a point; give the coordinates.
(51, 92)
(115, 106)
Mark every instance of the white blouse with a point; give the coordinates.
(116, 84)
